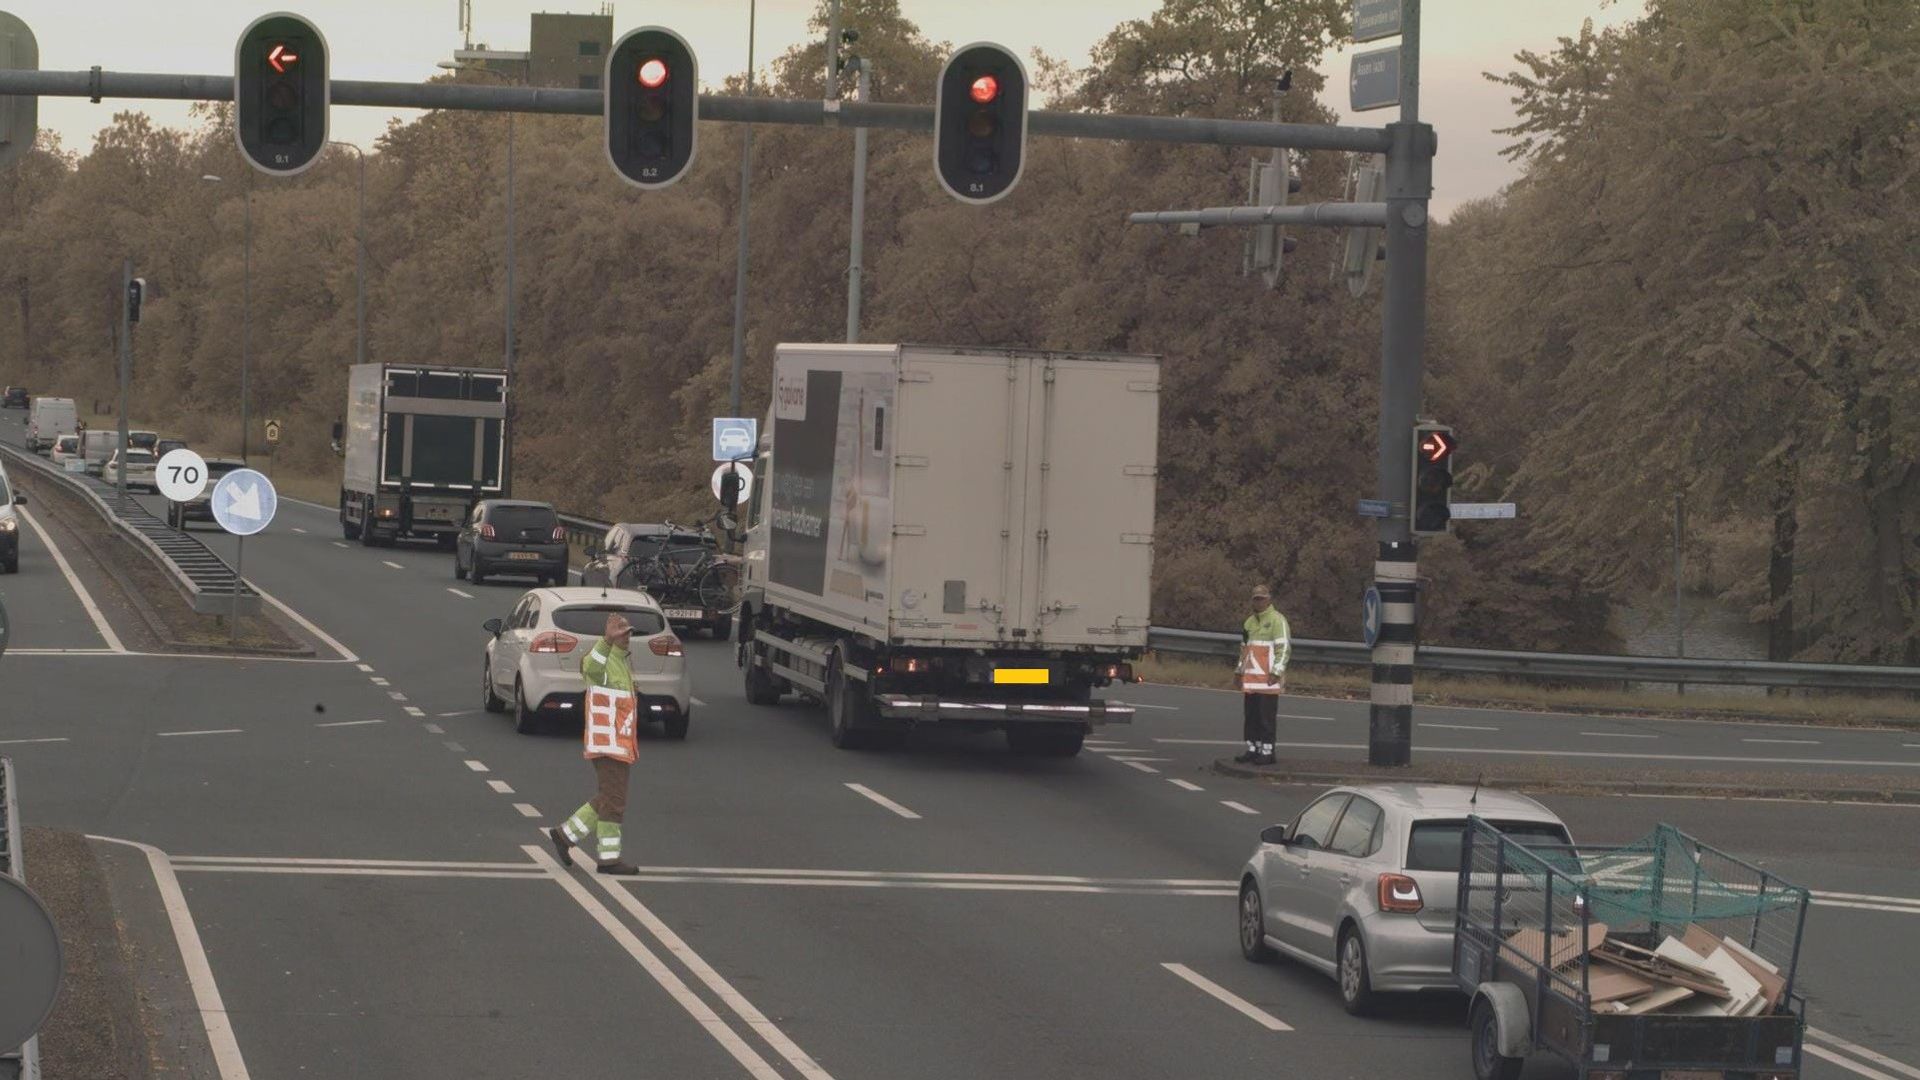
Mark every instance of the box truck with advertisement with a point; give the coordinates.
(951, 536)
(421, 446)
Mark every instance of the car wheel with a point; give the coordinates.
(1356, 984)
(488, 699)
(525, 720)
(1488, 1062)
(1253, 925)
(675, 726)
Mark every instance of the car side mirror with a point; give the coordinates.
(1274, 834)
(493, 626)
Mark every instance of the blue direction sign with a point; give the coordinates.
(1375, 79)
(1376, 508)
(244, 502)
(1375, 19)
(735, 437)
(1370, 616)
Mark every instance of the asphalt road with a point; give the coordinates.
(937, 910)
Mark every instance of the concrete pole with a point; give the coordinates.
(833, 50)
(1409, 183)
(862, 88)
(506, 421)
(126, 372)
(246, 315)
(740, 257)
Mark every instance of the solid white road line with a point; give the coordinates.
(457, 592)
(477, 766)
(1243, 808)
(1911, 745)
(309, 505)
(413, 710)
(1135, 765)
(1854, 1048)
(1185, 785)
(755, 1020)
(1459, 727)
(924, 875)
(463, 712)
(349, 723)
(360, 871)
(393, 564)
(1297, 716)
(1117, 757)
(501, 786)
(956, 886)
(1160, 708)
(1786, 742)
(73, 580)
(1228, 998)
(1848, 1064)
(305, 623)
(206, 993)
(214, 731)
(702, 1013)
(526, 809)
(434, 729)
(289, 860)
(1553, 752)
(17, 742)
(1617, 735)
(863, 789)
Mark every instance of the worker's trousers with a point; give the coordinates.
(601, 815)
(1261, 721)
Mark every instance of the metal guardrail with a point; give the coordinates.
(1461, 661)
(203, 578)
(1669, 669)
(23, 1062)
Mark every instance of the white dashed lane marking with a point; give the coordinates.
(1228, 998)
(526, 809)
(212, 731)
(1185, 785)
(349, 723)
(1231, 805)
(393, 564)
(862, 789)
(500, 786)
(477, 766)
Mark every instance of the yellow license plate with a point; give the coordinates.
(1021, 675)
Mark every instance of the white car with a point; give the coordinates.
(140, 465)
(1362, 885)
(67, 449)
(533, 658)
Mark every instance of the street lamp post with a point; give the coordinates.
(360, 259)
(451, 65)
(246, 303)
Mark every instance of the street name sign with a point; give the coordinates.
(1375, 19)
(1375, 79)
(1376, 508)
(1480, 510)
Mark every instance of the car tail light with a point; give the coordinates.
(910, 665)
(486, 532)
(664, 645)
(553, 641)
(1400, 893)
(559, 534)
(1117, 672)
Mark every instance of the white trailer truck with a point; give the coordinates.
(952, 536)
(421, 446)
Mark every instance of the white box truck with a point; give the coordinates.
(48, 418)
(953, 536)
(421, 446)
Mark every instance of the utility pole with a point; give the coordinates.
(359, 259)
(126, 370)
(740, 257)
(862, 88)
(246, 312)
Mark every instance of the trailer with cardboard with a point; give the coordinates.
(1653, 960)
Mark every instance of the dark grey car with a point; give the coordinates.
(511, 536)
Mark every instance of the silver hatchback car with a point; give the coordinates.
(1362, 885)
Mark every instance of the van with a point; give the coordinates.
(48, 418)
(96, 447)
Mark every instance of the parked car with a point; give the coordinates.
(533, 658)
(139, 466)
(47, 420)
(665, 561)
(67, 449)
(14, 398)
(9, 525)
(511, 536)
(1362, 885)
(200, 507)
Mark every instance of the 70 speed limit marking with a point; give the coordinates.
(180, 475)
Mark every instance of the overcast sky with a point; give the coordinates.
(401, 40)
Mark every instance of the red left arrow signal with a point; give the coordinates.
(281, 59)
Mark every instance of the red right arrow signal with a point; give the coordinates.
(1436, 446)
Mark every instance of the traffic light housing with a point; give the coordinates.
(652, 89)
(281, 93)
(19, 114)
(980, 123)
(1433, 448)
(136, 291)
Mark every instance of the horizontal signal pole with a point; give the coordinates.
(97, 85)
(1336, 214)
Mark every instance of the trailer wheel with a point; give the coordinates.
(1488, 1062)
(848, 709)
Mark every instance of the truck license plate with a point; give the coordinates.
(683, 613)
(1020, 676)
(523, 555)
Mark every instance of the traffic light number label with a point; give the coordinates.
(283, 159)
(976, 188)
(650, 172)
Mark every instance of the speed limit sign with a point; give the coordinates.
(181, 475)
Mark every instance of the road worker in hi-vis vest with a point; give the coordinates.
(611, 746)
(1264, 648)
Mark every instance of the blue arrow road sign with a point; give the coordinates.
(244, 502)
(1370, 616)
(735, 437)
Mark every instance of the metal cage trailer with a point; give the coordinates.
(1599, 957)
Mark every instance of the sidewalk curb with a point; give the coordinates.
(1787, 790)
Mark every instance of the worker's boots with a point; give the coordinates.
(617, 868)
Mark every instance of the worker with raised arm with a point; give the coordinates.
(1265, 646)
(611, 745)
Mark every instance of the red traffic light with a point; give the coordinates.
(280, 58)
(1436, 446)
(653, 73)
(984, 89)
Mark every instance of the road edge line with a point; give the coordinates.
(206, 992)
(73, 581)
(347, 655)
(1227, 997)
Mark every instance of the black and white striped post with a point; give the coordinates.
(1390, 717)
